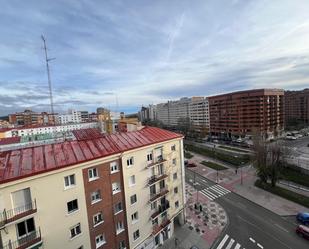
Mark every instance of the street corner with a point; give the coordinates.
(206, 218)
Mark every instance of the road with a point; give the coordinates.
(250, 225)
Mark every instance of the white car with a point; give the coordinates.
(290, 137)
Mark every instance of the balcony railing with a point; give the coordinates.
(160, 193)
(156, 161)
(25, 242)
(155, 178)
(161, 208)
(11, 215)
(157, 228)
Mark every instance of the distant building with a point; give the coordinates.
(73, 116)
(245, 112)
(29, 118)
(199, 113)
(296, 107)
(147, 113)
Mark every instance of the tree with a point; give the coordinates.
(184, 125)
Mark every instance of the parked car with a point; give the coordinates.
(303, 218)
(303, 231)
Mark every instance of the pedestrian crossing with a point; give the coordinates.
(229, 243)
(214, 192)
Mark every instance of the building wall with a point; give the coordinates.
(246, 112)
(296, 106)
(142, 190)
(199, 113)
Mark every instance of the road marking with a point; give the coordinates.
(260, 246)
(252, 240)
(219, 186)
(207, 195)
(223, 241)
(230, 244)
(210, 193)
(217, 190)
(237, 246)
(281, 228)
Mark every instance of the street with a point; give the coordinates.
(250, 225)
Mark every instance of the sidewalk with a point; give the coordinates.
(232, 181)
(202, 227)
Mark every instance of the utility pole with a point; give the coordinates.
(48, 76)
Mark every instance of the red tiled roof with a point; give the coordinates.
(26, 162)
(5, 129)
(9, 140)
(86, 134)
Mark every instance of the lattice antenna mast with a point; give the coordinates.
(48, 75)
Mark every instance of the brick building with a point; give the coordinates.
(296, 107)
(245, 112)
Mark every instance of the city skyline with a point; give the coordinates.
(137, 53)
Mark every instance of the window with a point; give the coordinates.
(133, 199)
(122, 245)
(95, 196)
(136, 235)
(176, 190)
(117, 208)
(132, 180)
(25, 228)
(72, 206)
(176, 204)
(116, 187)
(134, 217)
(93, 174)
(22, 199)
(119, 227)
(173, 147)
(130, 161)
(75, 230)
(100, 240)
(114, 167)
(154, 205)
(175, 176)
(97, 219)
(174, 161)
(69, 181)
(149, 157)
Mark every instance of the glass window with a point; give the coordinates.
(75, 230)
(116, 187)
(69, 181)
(130, 161)
(93, 174)
(149, 156)
(136, 235)
(97, 218)
(134, 217)
(119, 227)
(133, 199)
(176, 204)
(95, 196)
(175, 176)
(132, 180)
(117, 207)
(114, 167)
(176, 190)
(174, 161)
(72, 206)
(173, 147)
(25, 228)
(100, 240)
(122, 245)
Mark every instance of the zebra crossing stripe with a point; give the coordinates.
(224, 189)
(229, 246)
(210, 193)
(217, 190)
(237, 246)
(223, 242)
(210, 198)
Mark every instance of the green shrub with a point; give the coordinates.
(295, 175)
(213, 165)
(188, 155)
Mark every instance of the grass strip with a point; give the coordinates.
(233, 149)
(213, 165)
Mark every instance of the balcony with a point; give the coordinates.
(32, 239)
(160, 193)
(161, 208)
(8, 216)
(157, 228)
(156, 161)
(155, 178)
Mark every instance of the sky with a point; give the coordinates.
(125, 54)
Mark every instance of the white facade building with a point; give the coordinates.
(72, 116)
(199, 112)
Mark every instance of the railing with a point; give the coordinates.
(161, 192)
(155, 178)
(161, 208)
(164, 222)
(25, 242)
(10, 215)
(156, 161)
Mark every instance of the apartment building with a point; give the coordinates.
(199, 113)
(116, 191)
(29, 117)
(147, 113)
(72, 116)
(296, 106)
(245, 112)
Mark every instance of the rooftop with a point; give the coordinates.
(86, 134)
(21, 163)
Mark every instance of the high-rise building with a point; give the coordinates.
(296, 107)
(73, 116)
(246, 112)
(116, 191)
(199, 113)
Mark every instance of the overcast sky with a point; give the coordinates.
(143, 52)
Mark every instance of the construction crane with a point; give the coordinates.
(48, 75)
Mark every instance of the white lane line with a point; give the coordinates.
(217, 190)
(281, 228)
(252, 240)
(219, 186)
(208, 197)
(210, 193)
(204, 180)
(223, 241)
(229, 246)
(260, 246)
(237, 246)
